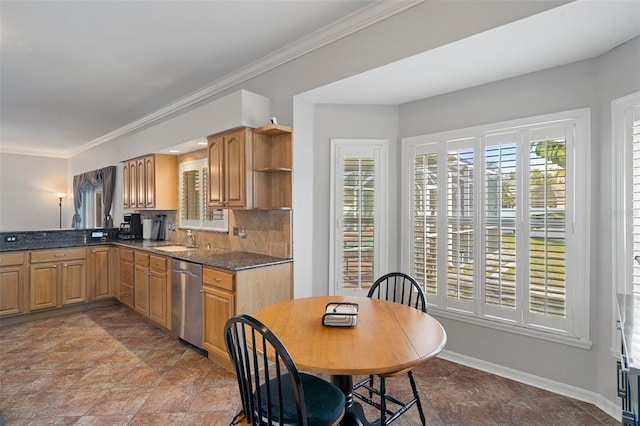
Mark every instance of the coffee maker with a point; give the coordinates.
(131, 228)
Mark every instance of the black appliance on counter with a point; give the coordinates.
(131, 228)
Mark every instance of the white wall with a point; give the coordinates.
(27, 193)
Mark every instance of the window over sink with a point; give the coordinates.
(193, 209)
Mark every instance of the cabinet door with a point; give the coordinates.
(217, 308)
(235, 183)
(73, 281)
(141, 289)
(150, 182)
(158, 291)
(43, 289)
(133, 184)
(216, 169)
(141, 184)
(99, 275)
(11, 287)
(126, 185)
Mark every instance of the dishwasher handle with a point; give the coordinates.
(184, 272)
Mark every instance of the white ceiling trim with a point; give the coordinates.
(350, 24)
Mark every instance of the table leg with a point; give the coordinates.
(353, 412)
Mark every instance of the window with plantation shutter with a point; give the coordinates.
(626, 193)
(194, 211)
(358, 235)
(498, 224)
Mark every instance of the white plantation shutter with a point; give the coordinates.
(634, 137)
(194, 210)
(492, 216)
(460, 235)
(499, 199)
(425, 215)
(358, 231)
(358, 203)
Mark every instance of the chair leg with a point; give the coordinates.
(370, 386)
(417, 397)
(383, 402)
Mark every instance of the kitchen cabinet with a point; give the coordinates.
(217, 307)
(57, 278)
(230, 169)
(125, 284)
(12, 283)
(272, 165)
(151, 287)
(150, 182)
(225, 294)
(100, 272)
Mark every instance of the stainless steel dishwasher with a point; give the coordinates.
(186, 301)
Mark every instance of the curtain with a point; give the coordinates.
(108, 188)
(105, 177)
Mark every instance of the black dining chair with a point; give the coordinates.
(272, 390)
(400, 288)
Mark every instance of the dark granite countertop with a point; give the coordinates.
(629, 316)
(215, 257)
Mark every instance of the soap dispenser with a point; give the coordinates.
(191, 239)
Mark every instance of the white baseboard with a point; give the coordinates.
(612, 409)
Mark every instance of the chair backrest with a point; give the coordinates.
(268, 379)
(400, 288)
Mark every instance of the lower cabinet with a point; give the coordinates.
(101, 272)
(57, 278)
(125, 284)
(225, 294)
(151, 287)
(12, 283)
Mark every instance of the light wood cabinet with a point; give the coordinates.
(57, 278)
(272, 165)
(101, 272)
(151, 287)
(141, 282)
(151, 182)
(225, 294)
(230, 169)
(126, 295)
(12, 283)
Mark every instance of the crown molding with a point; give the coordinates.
(376, 12)
(62, 154)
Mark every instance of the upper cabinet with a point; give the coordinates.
(150, 182)
(230, 169)
(272, 162)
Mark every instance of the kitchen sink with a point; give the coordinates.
(173, 248)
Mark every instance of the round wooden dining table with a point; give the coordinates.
(387, 337)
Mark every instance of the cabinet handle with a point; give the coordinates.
(216, 279)
(93, 251)
(55, 266)
(59, 255)
(65, 265)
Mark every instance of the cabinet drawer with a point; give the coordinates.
(58, 254)
(141, 258)
(8, 259)
(217, 278)
(158, 263)
(126, 254)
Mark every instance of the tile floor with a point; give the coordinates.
(110, 367)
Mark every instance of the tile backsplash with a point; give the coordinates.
(267, 232)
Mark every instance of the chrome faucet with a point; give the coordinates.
(191, 239)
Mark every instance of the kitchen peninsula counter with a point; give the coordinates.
(214, 257)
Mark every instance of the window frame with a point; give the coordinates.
(577, 228)
(377, 149)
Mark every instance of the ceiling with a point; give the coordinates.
(74, 74)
